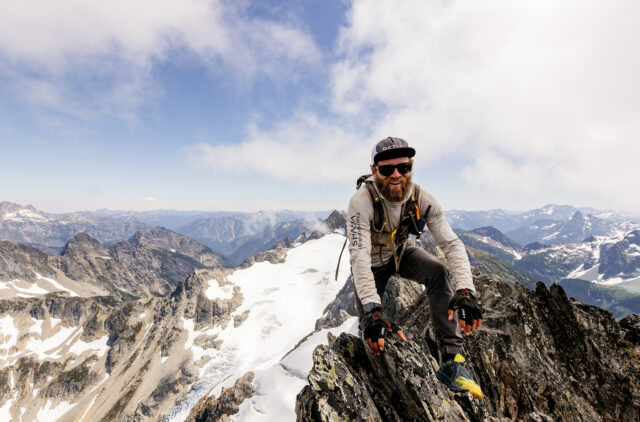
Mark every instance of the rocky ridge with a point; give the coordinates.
(97, 359)
(539, 356)
(149, 263)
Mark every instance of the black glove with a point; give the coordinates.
(377, 324)
(468, 308)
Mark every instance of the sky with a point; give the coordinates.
(244, 106)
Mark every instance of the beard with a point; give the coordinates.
(393, 194)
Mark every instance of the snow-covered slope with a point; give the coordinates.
(281, 302)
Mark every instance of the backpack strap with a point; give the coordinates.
(379, 215)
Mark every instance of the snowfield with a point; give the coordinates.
(284, 300)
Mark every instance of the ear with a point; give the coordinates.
(373, 170)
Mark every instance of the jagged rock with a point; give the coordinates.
(337, 220)
(22, 262)
(340, 309)
(275, 256)
(149, 263)
(349, 383)
(176, 243)
(400, 296)
(211, 409)
(538, 357)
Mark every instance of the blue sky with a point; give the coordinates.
(221, 105)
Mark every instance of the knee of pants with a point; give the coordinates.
(440, 278)
(441, 271)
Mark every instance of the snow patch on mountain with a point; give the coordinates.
(14, 288)
(216, 291)
(50, 412)
(56, 286)
(98, 347)
(24, 215)
(283, 301)
(46, 340)
(276, 388)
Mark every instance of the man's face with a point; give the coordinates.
(395, 186)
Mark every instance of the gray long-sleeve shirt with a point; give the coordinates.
(359, 218)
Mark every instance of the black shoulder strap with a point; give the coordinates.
(378, 211)
(361, 180)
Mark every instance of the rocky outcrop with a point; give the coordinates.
(212, 409)
(161, 238)
(116, 361)
(22, 262)
(621, 258)
(538, 356)
(147, 264)
(340, 309)
(337, 220)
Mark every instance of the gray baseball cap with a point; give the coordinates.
(391, 148)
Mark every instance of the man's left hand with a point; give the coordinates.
(469, 311)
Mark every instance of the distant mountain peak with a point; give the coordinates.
(12, 206)
(81, 242)
(496, 235)
(336, 220)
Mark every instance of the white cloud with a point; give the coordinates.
(305, 150)
(95, 57)
(149, 198)
(541, 97)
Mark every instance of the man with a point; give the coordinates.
(381, 216)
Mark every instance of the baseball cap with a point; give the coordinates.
(391, 148)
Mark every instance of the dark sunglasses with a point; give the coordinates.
(387, 169)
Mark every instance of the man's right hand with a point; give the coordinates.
(376, 326)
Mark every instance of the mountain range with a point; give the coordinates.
(159, 326)
(149, 263)
(235, 235)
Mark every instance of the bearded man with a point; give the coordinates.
(381, 216)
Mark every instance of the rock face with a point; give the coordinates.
(149, 263)
(539, 356)
(212, 409)
(622, 257)
(114, 361)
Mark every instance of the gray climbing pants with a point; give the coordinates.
(418, 265)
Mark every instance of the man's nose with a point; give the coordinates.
(395, 173)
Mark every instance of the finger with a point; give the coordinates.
(462, 324)
(381, 343)
(468, 329)
(451, 314)
(401, 334)
(374, 347)
(475, 325)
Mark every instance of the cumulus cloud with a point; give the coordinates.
(538, 97)
(536, 94)
(95, 57)
(306, 150)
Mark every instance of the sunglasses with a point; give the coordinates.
(387, 169)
